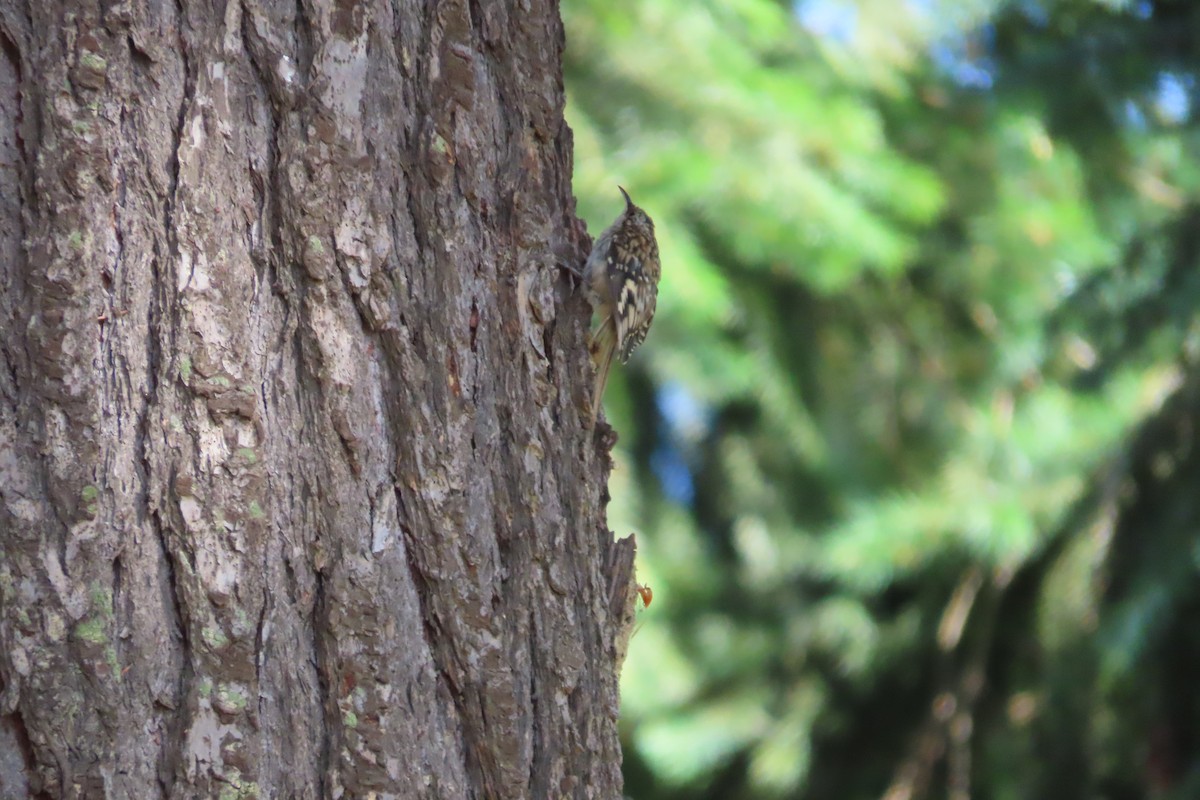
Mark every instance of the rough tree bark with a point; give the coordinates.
(298, 497)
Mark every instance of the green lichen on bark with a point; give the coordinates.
(214, 638)
(235, 788)
(100, 595)
(91, 630)
(93, 62)
(114, 664)
(229, 699)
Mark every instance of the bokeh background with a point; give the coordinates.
(910, 450)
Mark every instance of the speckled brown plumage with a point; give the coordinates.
(621, 276)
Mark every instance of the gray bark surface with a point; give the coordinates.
(298, 496)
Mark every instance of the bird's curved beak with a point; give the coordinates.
(628, 202)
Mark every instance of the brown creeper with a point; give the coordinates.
(621, 277)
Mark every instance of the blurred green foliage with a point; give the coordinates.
(909, 449)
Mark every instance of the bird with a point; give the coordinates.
(621, 280)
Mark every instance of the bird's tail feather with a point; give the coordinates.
(603, 346)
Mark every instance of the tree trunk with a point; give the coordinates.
(299, 496)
